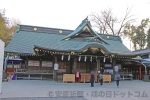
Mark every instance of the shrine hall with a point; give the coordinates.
(82, 50)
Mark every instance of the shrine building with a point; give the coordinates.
(82, 49)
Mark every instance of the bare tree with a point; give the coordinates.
(107, 23)
(13, 24)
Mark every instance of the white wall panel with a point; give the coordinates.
(1, 62)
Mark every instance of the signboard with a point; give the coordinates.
(1, 63)
(47, 64)
(108, 65)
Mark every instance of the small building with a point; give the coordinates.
(140, 66)
(144, 53)
(81, 49)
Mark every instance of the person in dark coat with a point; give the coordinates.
(92, 79)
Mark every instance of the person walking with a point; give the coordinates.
(117, 78)
(92, 79)
(101, 78)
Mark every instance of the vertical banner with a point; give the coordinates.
(79, 58)
(1, 63)
(91, 59)
(68, 57)
(62, 58)
(111, 60)
(85, 58)
(104, 59)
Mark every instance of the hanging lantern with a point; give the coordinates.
(116, 69)
(79, 58)
(68, 57)
(85, 58)
(91, 59)
(62, 58)
(104, 59)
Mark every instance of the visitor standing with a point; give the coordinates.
(101, 78)
(117, 78)
(92, 79)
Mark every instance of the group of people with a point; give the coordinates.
(100, 75)
(92, 78)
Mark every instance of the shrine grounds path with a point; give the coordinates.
(51, 90)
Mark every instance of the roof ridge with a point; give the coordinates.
(108, 34)
(44, 27)
(141, 49)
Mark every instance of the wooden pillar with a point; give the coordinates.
(140, 72)
(40, 64)
(113, 65)
(12, 64)
(54, 71)
(121, 67)
(20, 65)
(75, 64)
(26, 62)
(98, 64)
(56, 59)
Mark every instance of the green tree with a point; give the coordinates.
(148, 38)
(7, 27)
(137, 34)
(141, 35)
(130, 31)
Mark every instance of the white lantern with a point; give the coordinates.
(56, 66)
(116, 69)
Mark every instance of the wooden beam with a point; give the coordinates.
(113, 65)
(98, 64)
(27, 61)
(75, 64)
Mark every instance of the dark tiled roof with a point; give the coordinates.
(114, 47)
(78, 30)
(26, 38)
(143, 51)
(43, 29)
(23, 41)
